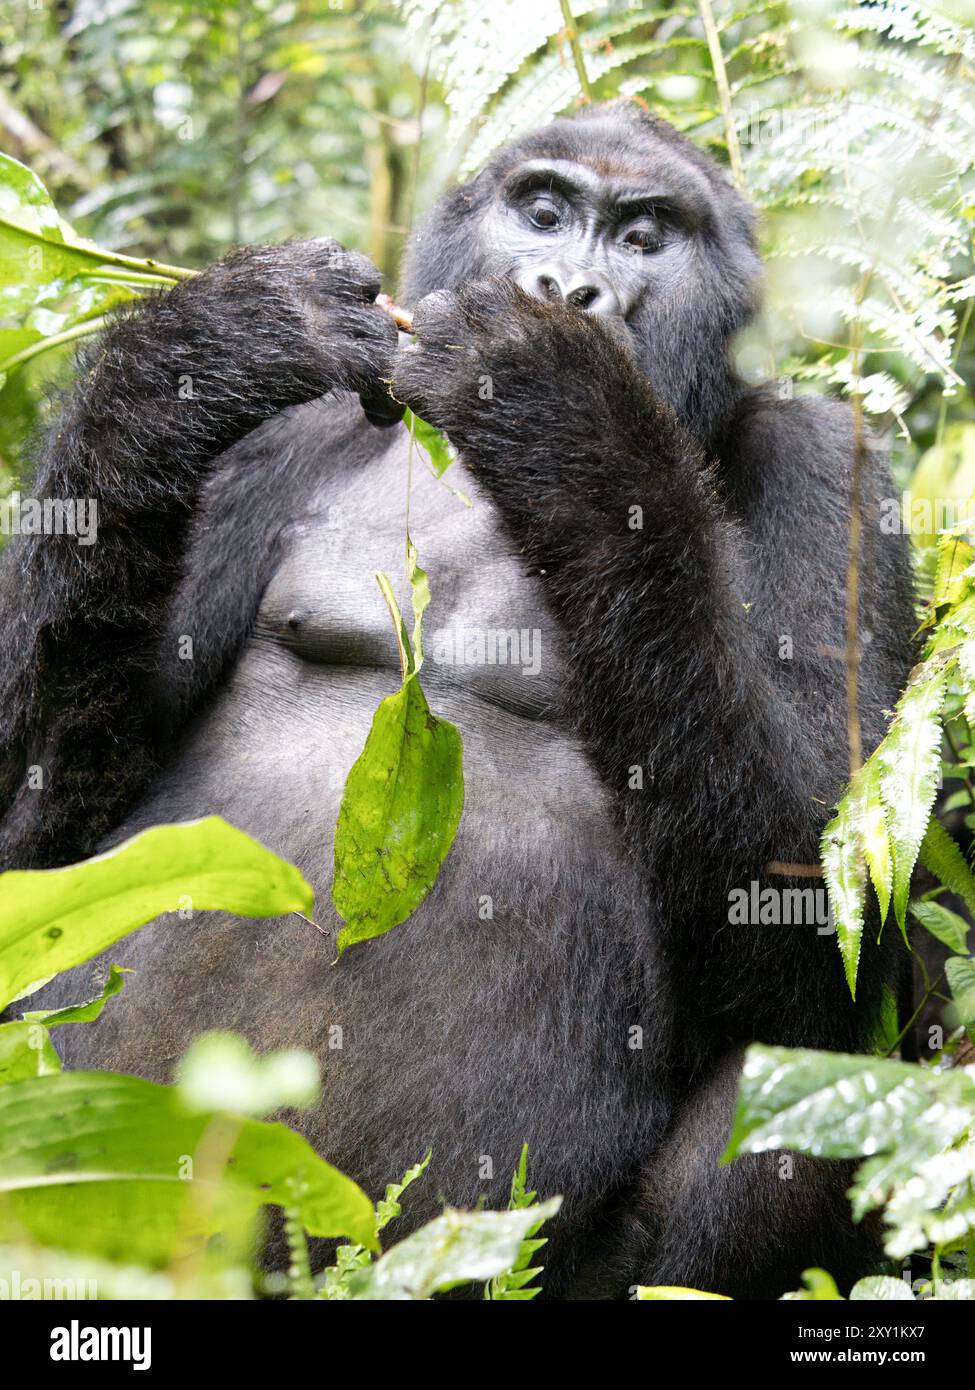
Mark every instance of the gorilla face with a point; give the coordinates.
(563, 230)
(616, 213)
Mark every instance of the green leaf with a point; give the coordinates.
(913, 1123)
(436, 445)
(388, 1208)
(122, 1168)
(671, 1293)
(910, 761)
(399, 815)
(881, 1287)
(834, 1105)
(844, 872)
(53, 919)
(82, 1013)
(961, 979)
(942, 857)
(26, 1051)
(820, 1287)
(459, 1247)
(943, 924)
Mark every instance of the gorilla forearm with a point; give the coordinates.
(654, 576)
(159, 399)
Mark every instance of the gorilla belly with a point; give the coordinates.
(517, 1004)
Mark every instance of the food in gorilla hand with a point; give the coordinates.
(401, 317)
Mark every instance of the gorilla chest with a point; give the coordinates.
(487, 632)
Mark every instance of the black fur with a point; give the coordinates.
(252, 522)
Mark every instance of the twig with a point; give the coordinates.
(572, 34)
(724, 93)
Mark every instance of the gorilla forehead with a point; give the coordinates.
(622, 151)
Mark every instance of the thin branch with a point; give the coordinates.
(572, 34)
(724, 93)
(80, 330)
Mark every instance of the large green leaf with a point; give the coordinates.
(122, 1168)
(459, 1247)
(403, 798)
(53, 919)
(400, 812)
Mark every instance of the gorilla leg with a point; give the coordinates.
(747, 1229)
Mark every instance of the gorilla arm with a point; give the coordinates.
(673, 630)
(159, 397)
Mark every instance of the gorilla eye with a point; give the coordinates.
(543, 214)
(643, 239)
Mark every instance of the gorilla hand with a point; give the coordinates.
(506, 375)
(315, 301)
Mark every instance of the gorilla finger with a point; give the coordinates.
(343, 273)
(381, 410)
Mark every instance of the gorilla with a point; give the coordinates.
(675, 542)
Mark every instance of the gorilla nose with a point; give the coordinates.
(587, 289)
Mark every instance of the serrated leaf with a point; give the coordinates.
(942, 857)
(459, 1247)
(910, 763)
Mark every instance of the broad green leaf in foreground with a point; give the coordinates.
(53, 919)
(459, 1247)
(124, 1169)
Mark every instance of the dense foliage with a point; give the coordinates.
(166, 133)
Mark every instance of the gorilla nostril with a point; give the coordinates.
(549, 287)
(583, 297)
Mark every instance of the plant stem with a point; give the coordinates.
(572, 34)
(724, 92)
(80, 330)
(103, 257)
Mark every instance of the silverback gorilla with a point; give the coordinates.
(660, 527)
